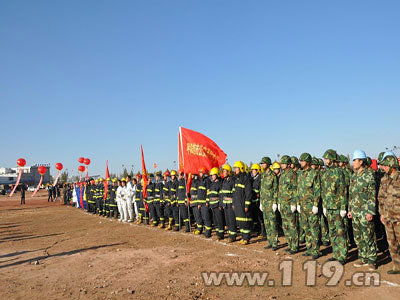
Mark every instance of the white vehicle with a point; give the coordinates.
(31, 189)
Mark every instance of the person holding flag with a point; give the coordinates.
(174, 203)
(182, 202)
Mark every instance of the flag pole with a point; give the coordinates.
(183, 163)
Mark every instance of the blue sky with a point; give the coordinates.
(99, 78)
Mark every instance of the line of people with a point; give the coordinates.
(313, 201)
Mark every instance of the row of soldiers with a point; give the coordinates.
(314, 201)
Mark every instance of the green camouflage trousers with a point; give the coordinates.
(393, 238)
(364, 236)
(311, 230)
(290, 228)
(271, 225)
(301, 226)
(337, 234)
(324, 229)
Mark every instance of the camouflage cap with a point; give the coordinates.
(380, 157)
(330, 154)
(321, 162)
(314, 161)
(294, 160)
(307, 158)
(266, 160)
(285, 159)
(368, 161)
(390, 161)
(158, 173)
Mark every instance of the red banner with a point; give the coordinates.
(197, 151)
(144, 177)
(106, 182)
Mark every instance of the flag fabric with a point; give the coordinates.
(197, 151)
(106, 182)
(144, 178)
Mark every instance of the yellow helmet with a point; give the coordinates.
(246, 168)
(173, 172)
(227, 167)
(101, 179)
(96, 180)
(214, 171)
(239, 165)
(108, 179)
(114, 180)
(275, 165)
(256, 167)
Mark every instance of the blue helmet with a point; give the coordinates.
(359, 154)
(388, 153)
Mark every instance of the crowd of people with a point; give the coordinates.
(312, 201)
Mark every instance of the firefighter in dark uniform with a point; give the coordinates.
(139, 199)
(150, 200)
(256, 213)
(167, 200)
(215, 203)
(97, 195)
(113, 198)
(242, 201)
(100, 198)
(158, 200)
(90, 196)
(203, 205)
(182, 200)
(174, 202)
(226, 196)
(193, 204)
(107, 200)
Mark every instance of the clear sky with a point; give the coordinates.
(99, 78)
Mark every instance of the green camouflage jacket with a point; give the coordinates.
(269, 187)
(287, 187)
(308, 188)
(362, 193)
(333, 189)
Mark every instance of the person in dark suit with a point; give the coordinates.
(23, 189)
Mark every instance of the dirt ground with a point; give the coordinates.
(52, 251)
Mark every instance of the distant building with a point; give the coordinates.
(30, 175)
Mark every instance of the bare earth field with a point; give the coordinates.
(52, 251)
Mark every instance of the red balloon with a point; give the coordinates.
(42, 170)
(86, 161)
(81, 160)
(81, 169)
(21, 162)
(59, 166)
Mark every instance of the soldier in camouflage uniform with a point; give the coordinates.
(362, 210)
(268, 198)
(343, 161)
(308, 196)
(389, 204)
(295, 166)
(324, 229)
(334, 205)
(287, 204)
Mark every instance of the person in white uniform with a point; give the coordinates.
(131, 192)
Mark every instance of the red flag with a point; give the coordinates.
(106, 182)
(144, 178)
(197, 151)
